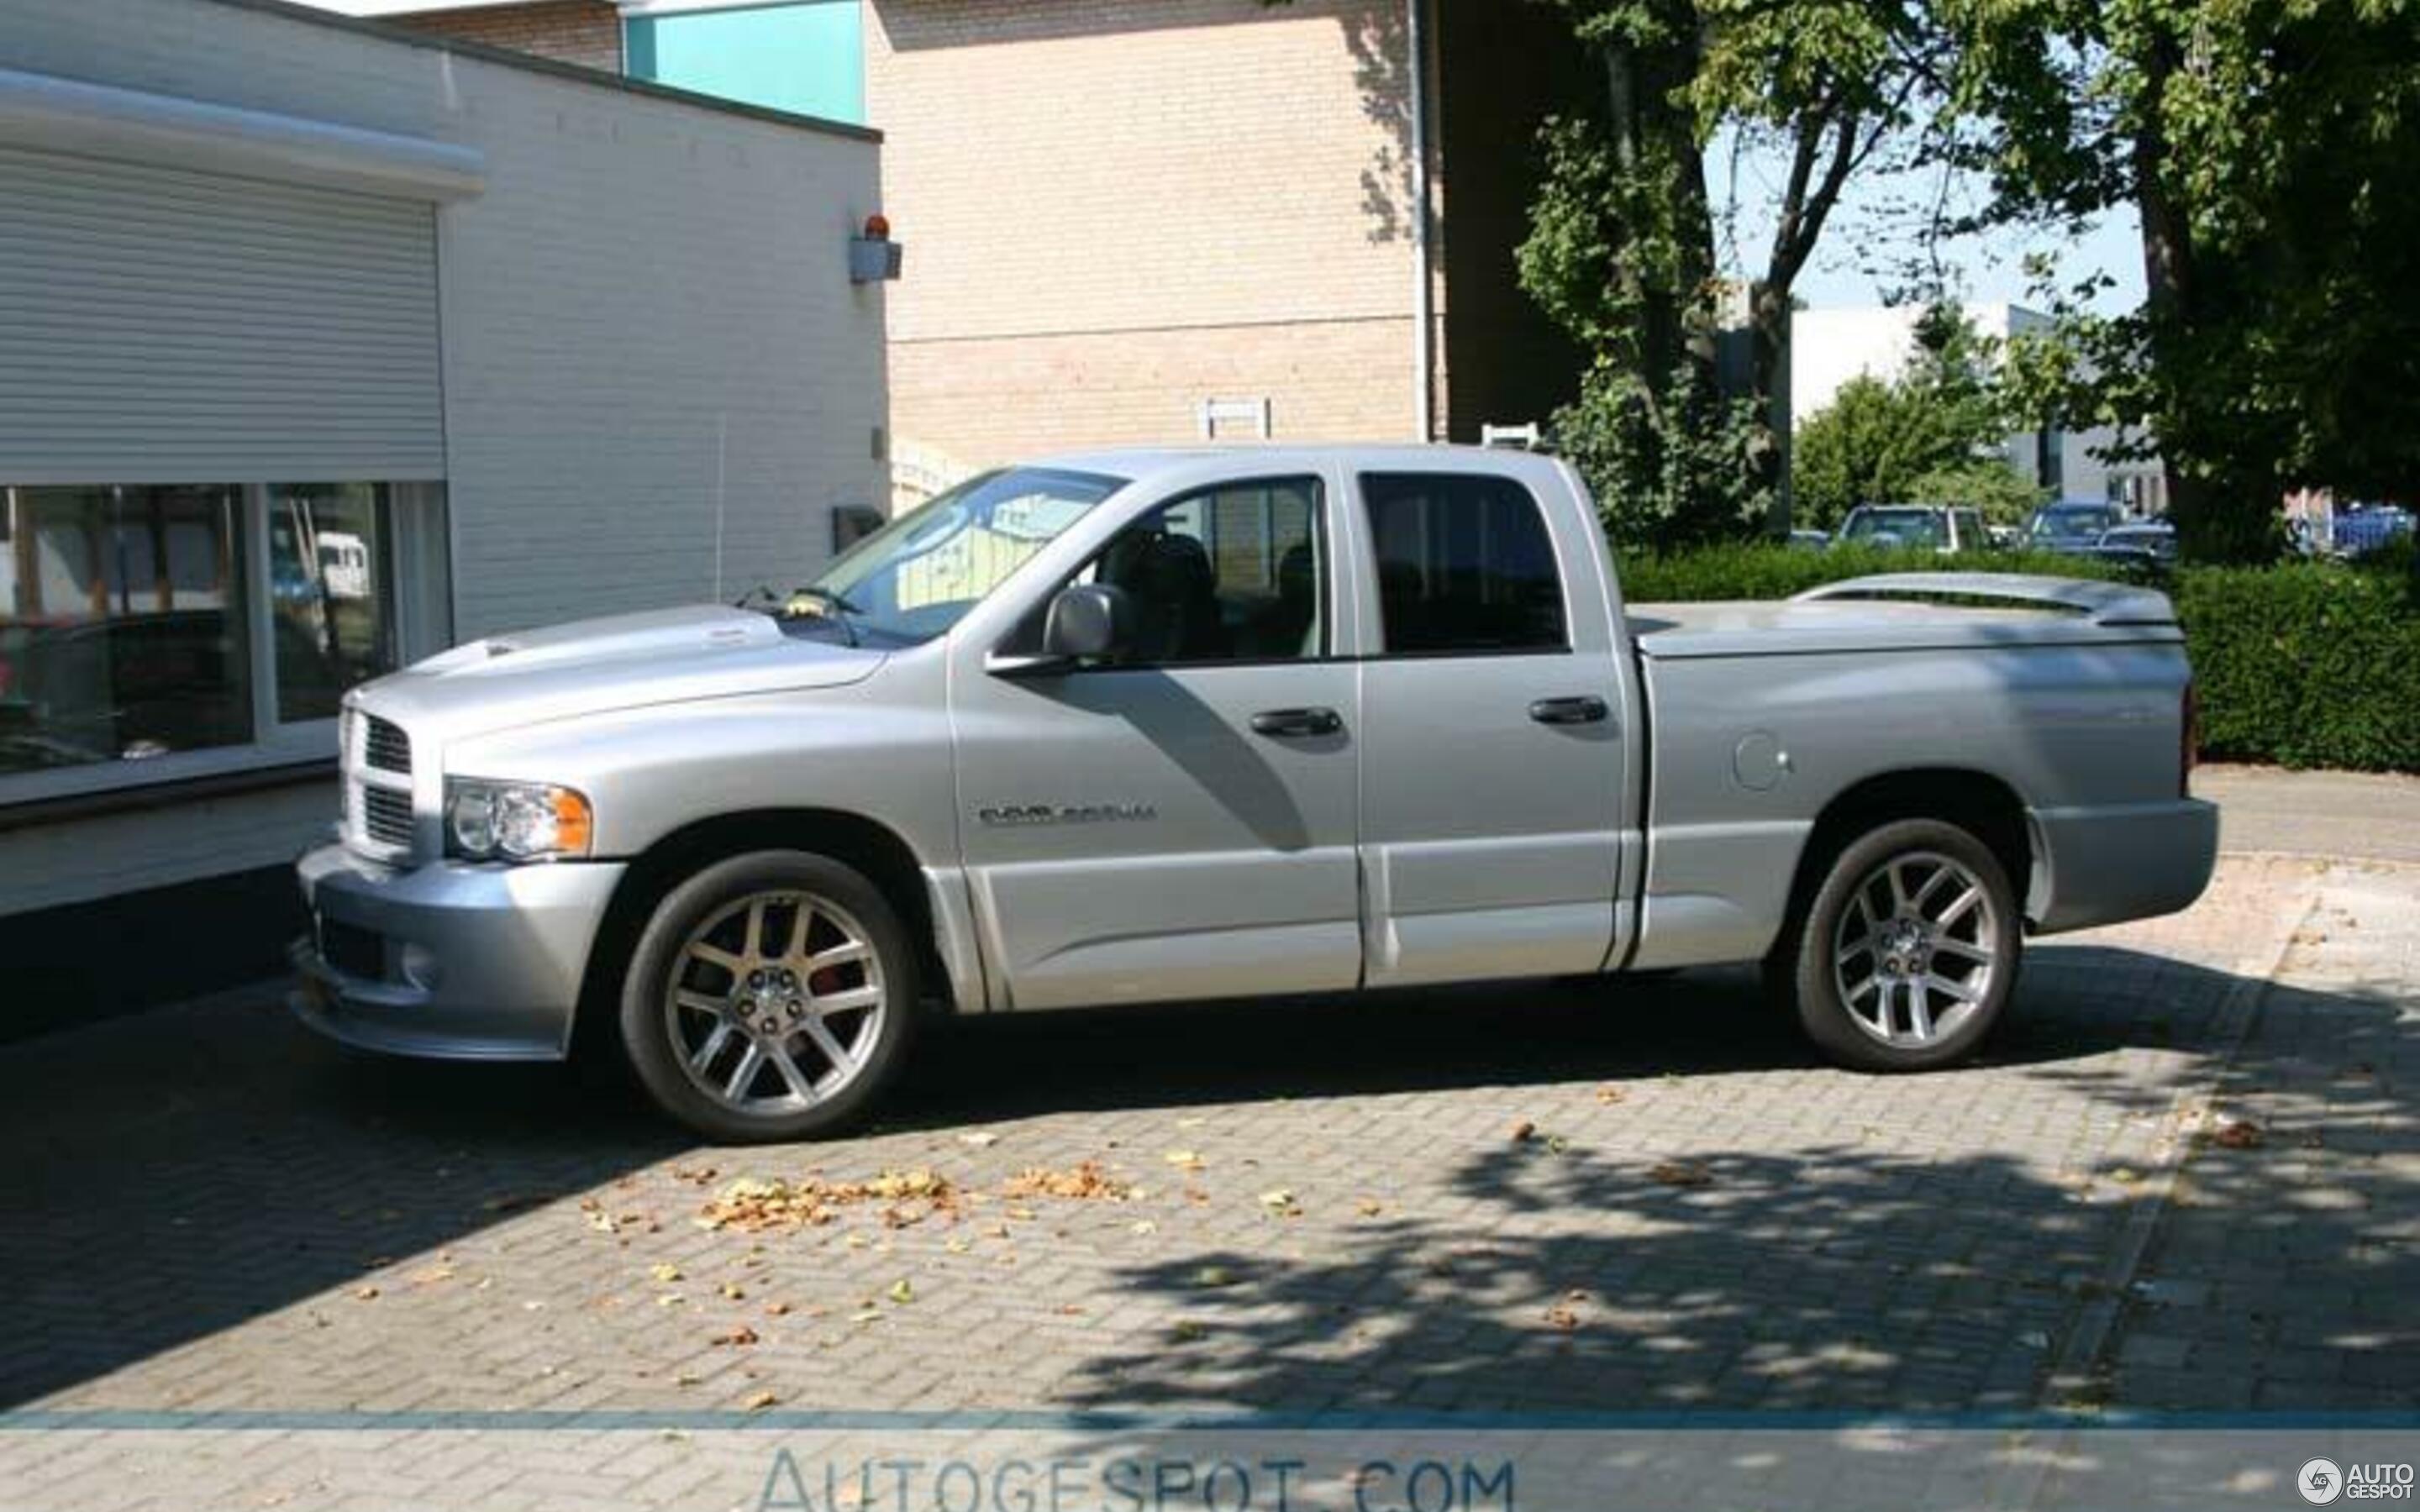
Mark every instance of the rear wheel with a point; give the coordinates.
(1907, 954)
(769, 998)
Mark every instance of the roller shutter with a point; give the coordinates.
(162, 325)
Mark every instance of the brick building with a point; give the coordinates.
(1147, 221)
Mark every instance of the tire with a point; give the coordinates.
(720, 974)
(1892, 965)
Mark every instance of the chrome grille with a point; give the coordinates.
(385, 746)
(386, 816)
(377, 786)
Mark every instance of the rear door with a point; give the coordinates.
(1493, 781)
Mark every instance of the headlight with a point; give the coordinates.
(513, 821)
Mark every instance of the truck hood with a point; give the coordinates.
(595, 666)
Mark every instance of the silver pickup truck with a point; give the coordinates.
(1142, 726)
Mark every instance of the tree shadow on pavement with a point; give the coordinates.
(1776, 1235)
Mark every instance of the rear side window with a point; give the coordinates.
(1465, 565)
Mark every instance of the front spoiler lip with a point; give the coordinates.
(351, 1012)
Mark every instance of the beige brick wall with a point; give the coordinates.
(586, 31)
(1116, 209)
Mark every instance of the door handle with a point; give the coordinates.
(1296, 724)
(1589, 709)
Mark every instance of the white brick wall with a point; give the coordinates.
(642, 276)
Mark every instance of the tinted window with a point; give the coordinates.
(1465, 564)
(1230, 574)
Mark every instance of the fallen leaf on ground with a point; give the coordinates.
(368, 1293)
(981, 1140)
(1189, 1331)
(1679, 1173)
(1185, 1160)
(762, 1400)
(1281, 1201)
(1610, 1094)
(777, 1309)
(1563, 1315)
(755, 1206)
(1214, 1275)
(2238, 1134)
(1086, 1182)
(1369, 1207)
(1142, 1228)
(665, 1271)
(732, 1291)
(901, 1291)
(1521, 1130)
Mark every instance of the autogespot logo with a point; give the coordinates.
(2322, 1481)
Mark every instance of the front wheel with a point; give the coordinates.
(1909, 950)
(769, 998)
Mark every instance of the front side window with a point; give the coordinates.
(917, 575)
(1231, 574)
(1465, 566)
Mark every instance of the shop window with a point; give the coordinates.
(156, 631)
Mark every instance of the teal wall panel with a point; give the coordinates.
(808, 56)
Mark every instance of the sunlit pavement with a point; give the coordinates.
(2186, 1177)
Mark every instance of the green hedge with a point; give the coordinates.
(2304, 665)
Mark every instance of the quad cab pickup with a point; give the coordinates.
(1132, 727)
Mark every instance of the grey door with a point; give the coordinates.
(1181, 825)
(1491, 741)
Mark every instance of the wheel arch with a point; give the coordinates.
(1977, 801)
(866, 844)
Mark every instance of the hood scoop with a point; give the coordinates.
(652, 633)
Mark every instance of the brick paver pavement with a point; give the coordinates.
(208, 1210)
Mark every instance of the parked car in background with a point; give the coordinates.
(2073, 526)
(2359, 530)
(1137, 726)
(1809, 540)
(1945, 527)
(2150, 544)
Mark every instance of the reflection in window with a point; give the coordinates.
(121, 624)
(331, 592)
(1465, 564)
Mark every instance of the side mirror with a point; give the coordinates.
(1085, 622)
(1089, 621)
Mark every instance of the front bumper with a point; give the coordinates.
(500, 954)
(2106, 865)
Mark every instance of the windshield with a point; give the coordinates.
(2074, 519)
(919, 574)
(1907, 527)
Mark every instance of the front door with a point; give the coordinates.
(1181, 825)
(1491, 735)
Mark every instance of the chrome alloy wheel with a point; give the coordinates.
(775, 1003)
(1915, 952)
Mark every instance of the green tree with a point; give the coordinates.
(1932, 434)
(2268, 147)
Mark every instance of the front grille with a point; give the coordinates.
(386, 816)
(385, 747)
